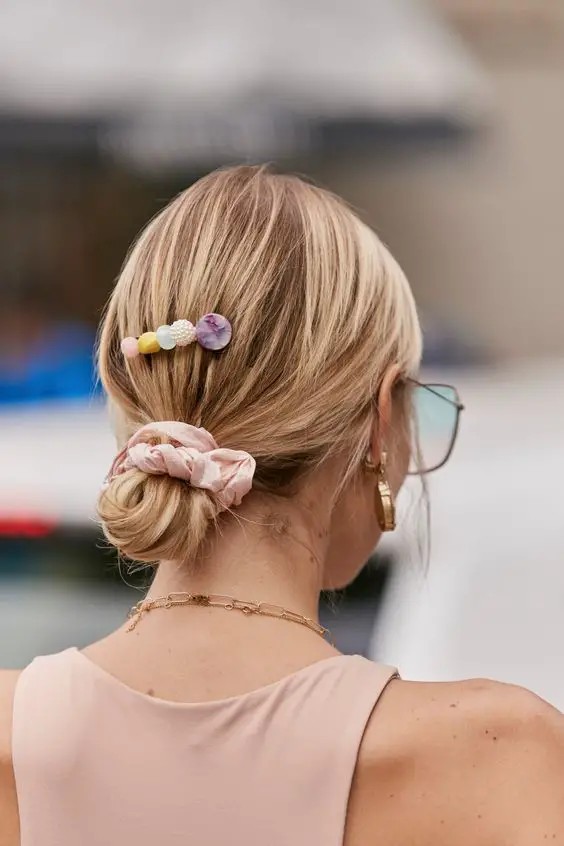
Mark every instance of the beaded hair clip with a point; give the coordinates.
(212, 332)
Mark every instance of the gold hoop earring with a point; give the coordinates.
(384, 500)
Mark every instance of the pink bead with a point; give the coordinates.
(130, 348)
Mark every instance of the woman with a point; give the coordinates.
(258, 352)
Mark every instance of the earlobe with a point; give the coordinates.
(383, 416)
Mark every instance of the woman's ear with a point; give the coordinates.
(383, 415)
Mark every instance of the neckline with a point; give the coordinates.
(209, 704)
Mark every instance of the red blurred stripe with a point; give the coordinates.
(26, 527)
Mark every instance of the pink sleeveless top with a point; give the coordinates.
(99, 764)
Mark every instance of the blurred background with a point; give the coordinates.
(443, 123)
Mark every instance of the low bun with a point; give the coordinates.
(151, 518)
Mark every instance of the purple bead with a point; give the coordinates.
(213, 331)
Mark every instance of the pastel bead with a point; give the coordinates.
(130, 347)
(165, 338)
(148, 343)
(183, 332)
(213, 331)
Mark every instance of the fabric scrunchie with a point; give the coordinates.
(192, 455)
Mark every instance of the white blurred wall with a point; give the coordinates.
(479, 228)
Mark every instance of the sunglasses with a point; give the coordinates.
(435, 424)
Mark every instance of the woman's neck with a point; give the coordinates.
(260, 554)
(263, 555)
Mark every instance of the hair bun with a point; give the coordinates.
(153, 518)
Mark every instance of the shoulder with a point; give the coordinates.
(9, 833)
(452, 762)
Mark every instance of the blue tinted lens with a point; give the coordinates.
(435, 414)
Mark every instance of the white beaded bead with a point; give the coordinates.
(183, 332)
(165, 338)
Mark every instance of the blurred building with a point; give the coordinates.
(478, 226)
(106, 111)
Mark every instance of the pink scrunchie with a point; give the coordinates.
(192, 456)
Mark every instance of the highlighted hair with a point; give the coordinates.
(319, 310)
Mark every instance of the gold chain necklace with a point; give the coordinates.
(219, 600)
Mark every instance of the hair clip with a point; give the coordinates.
(212, 332)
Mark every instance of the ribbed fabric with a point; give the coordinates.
(99, 764)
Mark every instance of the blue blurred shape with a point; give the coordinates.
(59, 366)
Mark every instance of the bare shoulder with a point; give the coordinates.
(473, 762)
(9, 828)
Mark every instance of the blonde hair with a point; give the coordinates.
(319, 309)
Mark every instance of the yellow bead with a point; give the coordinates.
(148, 343)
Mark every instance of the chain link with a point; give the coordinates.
(229, 603)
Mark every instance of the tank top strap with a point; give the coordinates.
(335, 712)
(43, 694)
(43, 734)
